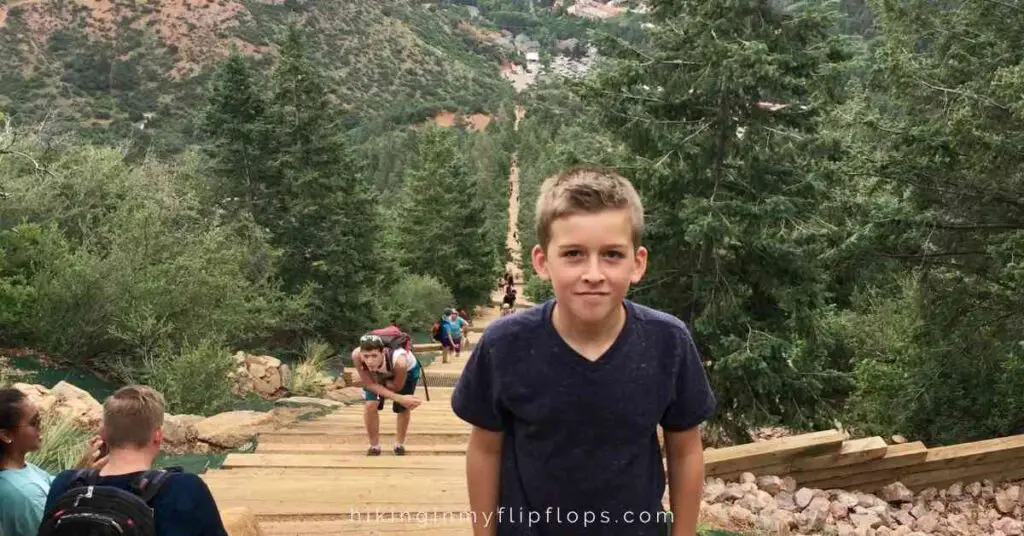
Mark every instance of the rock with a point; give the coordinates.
(928, 494)
(919, 510)
(844, 529)
(770, 484)
(179, 434)
(789, 484)
(748, 478)
(898, 439)
(740, 514)
(847, 499)
(231, 430)
(759, 501)
(803, 497)
(308, 401)
(896, 492)
(867, 500)
(77, 404)
(348, 395)
(786, 502)
(717, 514)
(956, 490)
(905, 518)
(973, 489)
(883, 531)
(240, 521)
(927, 523)
(839, 510)
(1008, 526)
(902, 531)
(286, 375)
(1006, 499)
(733, 491)
(769, 524)
(864, 521)
(714, 489)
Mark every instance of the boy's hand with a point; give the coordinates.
(92, 458)
(409, 401)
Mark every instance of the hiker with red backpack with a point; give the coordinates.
(387, 370)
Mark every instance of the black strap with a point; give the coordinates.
(85, 477)
(148, 485)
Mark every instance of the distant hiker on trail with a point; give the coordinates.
(388, 370)
(457, 324)
(465, 316)
(444, 335)
(509, 301)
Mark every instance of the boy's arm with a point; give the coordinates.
(692, 404)
(483, 470)
(475, 401)
(685, 460)
(399, 380)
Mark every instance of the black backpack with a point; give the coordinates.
(86, 509)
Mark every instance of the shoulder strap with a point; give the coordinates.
(85, 477)
(148, 485)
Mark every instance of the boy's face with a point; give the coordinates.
(591, 263)
(373, 358)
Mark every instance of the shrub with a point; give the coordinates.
(195, 380)
(538, 290)
(416, 300)
(305, 380)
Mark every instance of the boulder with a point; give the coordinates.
(67, 401)
(240, 521)
(231, 430)
(180, 433)
(308, 401)
(347, 395)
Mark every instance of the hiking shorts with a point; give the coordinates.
(411, 379)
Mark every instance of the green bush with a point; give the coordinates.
(416, 301)
(538, 290)
(102, 259)
(305, 379)
(194, 380)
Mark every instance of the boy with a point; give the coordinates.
(565, 398)
(381, 383)
(132, 430)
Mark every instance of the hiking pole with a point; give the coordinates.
(423, 375)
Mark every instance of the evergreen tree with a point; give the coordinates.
(721, 109)
(441, 223)
(317, 203)
(236, 141)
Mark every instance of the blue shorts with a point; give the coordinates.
(408, 388)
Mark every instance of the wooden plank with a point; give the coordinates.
(999, 471)
(412, 448)
(751, 456)
(330, 495)
(371, 526)
(320, 430)
(838, 477)
(1003, 452)
(851, 452)
(451, 462)
(387, 435)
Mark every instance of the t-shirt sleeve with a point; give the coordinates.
(693, 401)
(475, 398)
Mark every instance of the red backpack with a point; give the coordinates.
(394, 339)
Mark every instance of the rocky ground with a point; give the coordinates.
(774, 505)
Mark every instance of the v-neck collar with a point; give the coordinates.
(579, 359)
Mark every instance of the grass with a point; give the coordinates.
(62, 446)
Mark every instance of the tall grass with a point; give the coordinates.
(63, 444)
(306, 377)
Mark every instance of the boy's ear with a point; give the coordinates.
(540, 262)
(639, 264)
(158, 436)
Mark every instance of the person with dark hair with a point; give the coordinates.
(24, 485)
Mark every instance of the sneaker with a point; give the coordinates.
(373, 451)
(400, 450)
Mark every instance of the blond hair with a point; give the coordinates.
(131, 415)
(586, 189)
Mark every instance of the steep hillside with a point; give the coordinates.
(117, 68)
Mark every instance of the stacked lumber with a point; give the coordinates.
(826, 460)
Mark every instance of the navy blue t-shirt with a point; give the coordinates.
(580, 444)
(184, 506)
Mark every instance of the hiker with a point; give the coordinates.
(24, 485)
(509, 301)
(127, 490)
(465, 316)
(583, 381)
(457, 326)
(387, 372)
(443, 334)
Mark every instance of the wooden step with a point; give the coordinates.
(358, 437)
(454, 463)
(851, 452)
(754, 456)
(413, 447)
(370, 525)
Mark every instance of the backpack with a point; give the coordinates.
(87, 509)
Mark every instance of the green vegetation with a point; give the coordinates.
(63, 444)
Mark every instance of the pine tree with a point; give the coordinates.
(319, 205)
(721, 110)
(441, 223)
(233, 124)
